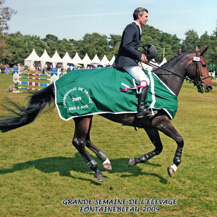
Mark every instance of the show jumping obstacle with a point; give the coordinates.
(23, 80)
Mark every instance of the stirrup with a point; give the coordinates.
(150, 114)
(153, 113)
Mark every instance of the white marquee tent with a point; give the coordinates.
(105, 61)
(112, 61)
(29, 61)
(86, 60)
(56, 59)
(76, 59)
(66, 59)
(46, 59)
(96, 59)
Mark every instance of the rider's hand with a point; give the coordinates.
(144, 58)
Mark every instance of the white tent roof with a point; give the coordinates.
(76, 59)
(45, 57)
(164, 61)
(96, 59)
(86, 60)
(67, 58)
(105, 61)
(33, 56)
(56, 58)
(112, 61)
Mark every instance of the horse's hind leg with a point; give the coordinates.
(155, 138)
(99, 153)
(79, 141)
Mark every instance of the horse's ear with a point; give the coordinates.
(197, 49)
(204, 51)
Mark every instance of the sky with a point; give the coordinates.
(72, 19)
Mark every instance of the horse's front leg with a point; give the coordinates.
(155, 138)
(164, 125)
(100, 154)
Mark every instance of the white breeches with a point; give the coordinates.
(137, 73)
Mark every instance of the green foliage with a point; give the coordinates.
(93, 44)
(214, 82)
(5, 15)
(21, 46)
(167, 45)
(191, 41)
(17, 46)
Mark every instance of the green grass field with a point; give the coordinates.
(39, 167)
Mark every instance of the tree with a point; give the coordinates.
(94, 44)
(205, 41)
(191, 41)
(5, 15)
(114, 44)
(21, 46)
(52, 43)
(65, 46)
(166, 44)
(213, 48)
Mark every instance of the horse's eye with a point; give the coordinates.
(204, 65)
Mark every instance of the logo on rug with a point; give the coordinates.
(76, 99)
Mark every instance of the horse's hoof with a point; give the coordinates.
(170, 170)
(98, 177)
(132, 162)
(107, 166)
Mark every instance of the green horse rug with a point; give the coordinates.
(108, 90)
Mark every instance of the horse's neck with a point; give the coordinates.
(173, 80)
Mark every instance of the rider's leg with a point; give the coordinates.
(141, 110)
(140, 76)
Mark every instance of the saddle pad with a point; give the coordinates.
(98, 91)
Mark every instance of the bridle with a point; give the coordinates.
(198, 81)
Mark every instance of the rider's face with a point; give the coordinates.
(142, 19)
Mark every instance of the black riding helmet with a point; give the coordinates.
(150, 52)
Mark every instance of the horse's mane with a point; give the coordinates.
(172, 60)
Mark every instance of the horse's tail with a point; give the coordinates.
(25, 115)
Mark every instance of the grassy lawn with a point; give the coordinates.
(39, 167)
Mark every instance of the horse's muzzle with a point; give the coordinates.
(208, 88)
(204, 88)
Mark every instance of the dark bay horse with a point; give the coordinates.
(193, 65)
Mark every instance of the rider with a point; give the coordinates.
(128, 56)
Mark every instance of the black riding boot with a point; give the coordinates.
(141, 110)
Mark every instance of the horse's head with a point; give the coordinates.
(197, 70)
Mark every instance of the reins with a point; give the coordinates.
(196, 82)
(153, 65)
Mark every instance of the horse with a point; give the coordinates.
(190, 64)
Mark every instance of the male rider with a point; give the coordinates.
(128, 56)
